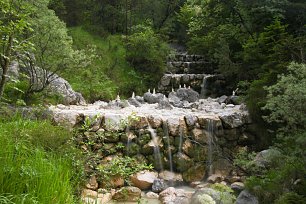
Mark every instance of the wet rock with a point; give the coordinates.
(200, 135)
(159, 185)
(173, 125)
(215, 178)
(174, 196)
(245, 197)
(195, 173)
(155, 121)
(152, 195)
(171, 177)
(148, 149)
(144, 179)
(182, 162)
(127, 194)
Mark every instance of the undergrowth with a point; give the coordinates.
(37, 163)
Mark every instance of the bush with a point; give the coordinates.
(147, 53)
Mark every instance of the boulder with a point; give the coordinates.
(153, 98)
(191, 120)
(209, 195)
(144, 179)
(182, 162)
(171, 177)
(200, 135)
(164, 104)
(174, 196)
(245, 197)
(234, 119)
(187, 95)
(215, 178)
(266, 158)
(195, 173)
(127, 194)
(152, 195)
(134, 102)
(155, 121)
(159, 185)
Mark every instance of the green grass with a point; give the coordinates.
(36, 163)
(110, 74)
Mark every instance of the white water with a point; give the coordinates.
(129, 140)
(166, 133)
(181, 132)
(157, 155)
(211, 131)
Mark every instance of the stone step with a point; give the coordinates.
(190, 67)
(185, 58)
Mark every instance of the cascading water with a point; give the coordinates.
(166, 134)
(157, 155)
(203, 92)
(210, 131)
(181, 132)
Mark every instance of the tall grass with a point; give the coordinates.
(110, 73)
(35, 169)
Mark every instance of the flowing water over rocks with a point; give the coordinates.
(188, 137)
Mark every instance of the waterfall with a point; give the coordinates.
(157, 155)
(204, 87)
(181, 132)
(166, 133)
(210, 131)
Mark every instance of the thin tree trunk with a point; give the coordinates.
(5, 65)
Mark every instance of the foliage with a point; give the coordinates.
(122, 167)
(36, 167)
(285, 99)
(147, 53)
(13, 23)
(109, 74)
(226, 193)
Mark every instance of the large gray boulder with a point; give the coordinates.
(187, 95)
(153, 98)
(245, 197)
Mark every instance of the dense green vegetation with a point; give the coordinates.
(37, 167)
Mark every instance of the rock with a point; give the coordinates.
(152, 195)
(113, 122)
(134, 102)
(222, 167)
(173, 196)
(191, 120)
(265, 158)
(104, 198)
(144, 179)
(237, 187)
(113, 182)
(245, 197)
(171, 177)
(173, 126)
(187, 95)
(159, 185)
(140, 99)
(155, 121)
(222, 99)
(153, 98)
(195, 173)
(174, 100)
(207, 195)
(182, 162)
(234, 119)
(164, 104)
(87, 193)
(215, 178)
(200, 135)
(127, 194)
(165, 80)
(92, 183)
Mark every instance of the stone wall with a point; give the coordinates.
(197, 143)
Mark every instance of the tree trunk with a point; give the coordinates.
(5, 65)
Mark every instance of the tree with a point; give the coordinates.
(13, 23)
(52, 51)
